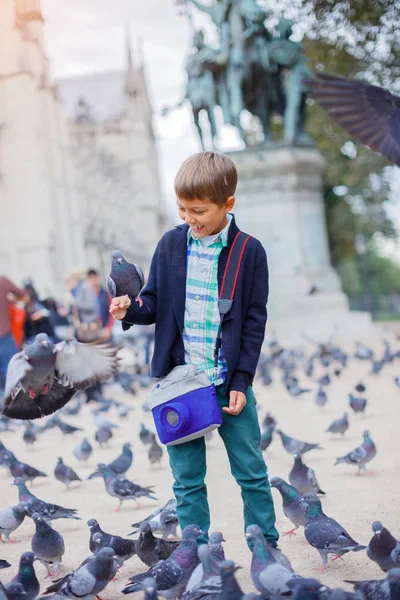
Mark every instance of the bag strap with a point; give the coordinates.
(228, 286)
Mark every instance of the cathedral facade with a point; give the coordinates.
(78, 161)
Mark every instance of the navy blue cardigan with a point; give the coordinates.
(163, 298)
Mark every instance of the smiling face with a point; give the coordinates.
(203, 216)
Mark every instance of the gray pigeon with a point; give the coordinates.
(381, 547)
(26, 576)
(270, 576)
(357, 404)
(103, 435)
(361, 455)
(122, 488)
(65, 474)
(4, 564)
(151, 549)
(123, 549)
(47, 545)
(210, 584)
(15, 591)
(150, 589)
(379, 589)
(324, 533)
(164, 520)
(20, 469)
(10, 519)
(155, 451)
(215, 556)
(83, 450)
(296, 446)
(172, 575)
(321, 398)
(145, 435)
(293, 506)
(29, 435)
(45, 376)
(124, 279)
(66, 428)
(32, 504)
(230, 589)
(303, 478)
(309, 589)
(266, 437)
(121, 464)
(339, 425)
(89, 579)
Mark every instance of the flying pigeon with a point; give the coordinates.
(32, 504)
(151, 549)
(10, 519)
(361, 455)
(293, 506)
(65, 474)
(381, 547)
(83, 450)
(172, 575)
(44, 377)
(294, 446)
(47, 544)
(303, 478)
(20, 469)
(155, 452)
(123, 549)
(124, 279)
(369, 113)
(324, 533)
(122, 488)
(121, 464)
(357, 404)
(164, 520)
(26, 576)
(340, 425)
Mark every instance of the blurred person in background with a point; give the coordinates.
(8, 346)
(92, 303)
(37, 317)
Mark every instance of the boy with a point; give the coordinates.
(181, 298)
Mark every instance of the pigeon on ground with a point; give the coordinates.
(123, 549)
(367, 112)
(124, 279)
(149, 587)
(360, 387)
(210, 584)
(324, 380)
(215, 556)
(321, 397)
(4, 564)
(292, 503)
(381, 547)
(103, 435)
(3, 452)
(266, 437)
(45, 376)
(29, 435)
(47, 545)
(340, 425)
(377, 366)
(123, 410)
(363, 352)
(65, 474)
(20, 469)
(230, 589)
(26, 576)
(103, 407)
(14, 591)
(379, 589)
(308, 589)
(361, 455)
(303, 478)
(100, 421)
(122, 488)
(83, 450)
(120, 465)
(164, 520)
(324, 533)
(357, 404)
(74, 408)
(66, 428)
(269, 576)
(295, 390)
(151, 549)
(32, 504)
(294, 446)
(155, 451)
(172, 575)
(127, 381)
(88, 580)
(268, 421)
(145, 435)
(10, 519)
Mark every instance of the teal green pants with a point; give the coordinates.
(241, 436)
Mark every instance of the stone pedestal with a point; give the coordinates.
(279, 201)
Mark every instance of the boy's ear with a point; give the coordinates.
(230, 203)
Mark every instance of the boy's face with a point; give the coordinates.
(203, 216)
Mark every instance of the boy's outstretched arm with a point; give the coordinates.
(141, 311)
(253, 328)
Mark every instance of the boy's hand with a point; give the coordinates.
(237, 402)
(119, 307)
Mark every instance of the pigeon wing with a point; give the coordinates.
(167, 574)
(21, 406)
(82, 582)
(18, 367)
(83, 365)
(112, 288)
(368, 113)
(140, 275)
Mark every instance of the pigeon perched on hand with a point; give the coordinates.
(10, 519)
(65, 474)
(124, 279)
(151, 549)
(20, 469)
(26, 577)
(340, 425)
(164, 520)
(357, 404)
(47, 544)
(381, 546)
(122, 488)
(83, 450)
(324, 533)
(303, 478)
(294, 446)
(292, 503)
(121, 464)
(172, 575)
(123, 549)
(32, 504)
(361, 455)
(45, 376)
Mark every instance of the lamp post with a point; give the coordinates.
(362, 249)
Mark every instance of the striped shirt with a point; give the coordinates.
(202, 317)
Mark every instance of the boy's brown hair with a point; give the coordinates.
(206, 175)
